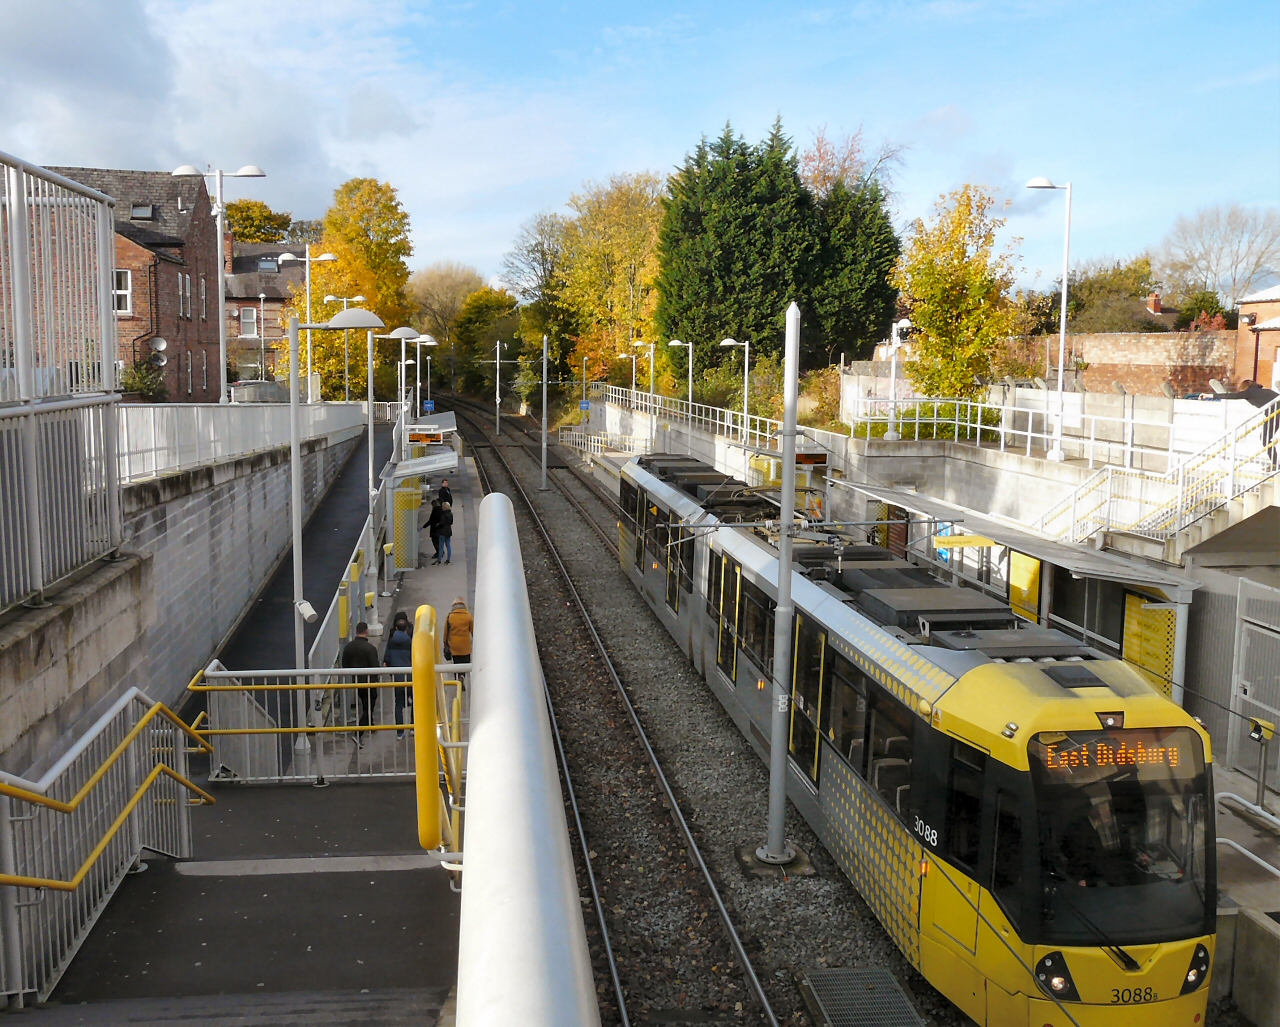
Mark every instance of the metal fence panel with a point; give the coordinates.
(1255, 676)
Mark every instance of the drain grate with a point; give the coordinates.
(859, 996)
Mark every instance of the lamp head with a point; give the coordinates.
(187, 170)
(331, 298)
(250, 171)
(426, 340)
(1041, 182)
(677, 342)
(356, 317)
(357, 299)
(287, 256)
(262, 295)
(325, 256)
(730, 342)
(403, 333)
(410, 361)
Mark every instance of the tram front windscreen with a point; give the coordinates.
(1122, 818)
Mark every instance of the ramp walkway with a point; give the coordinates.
(290, 904)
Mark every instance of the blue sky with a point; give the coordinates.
(483, 114)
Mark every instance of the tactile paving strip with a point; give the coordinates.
(868, 996)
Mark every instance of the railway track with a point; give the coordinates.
(666, 949)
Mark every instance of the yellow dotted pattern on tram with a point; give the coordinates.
(906, 674)
(877, 852)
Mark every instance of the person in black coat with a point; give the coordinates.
(446, 534)
(444, 493)
(360, 652)
(399, 653)
(433, 529)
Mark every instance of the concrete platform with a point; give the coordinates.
(1241, 882)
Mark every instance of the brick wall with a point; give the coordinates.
(192, 371)
(1144, 361)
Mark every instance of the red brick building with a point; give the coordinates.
(258, 290)
(166, 279)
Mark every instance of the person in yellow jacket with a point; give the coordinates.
(458, 628)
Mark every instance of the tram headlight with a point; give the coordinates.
(1197, 972)
(1055, 979)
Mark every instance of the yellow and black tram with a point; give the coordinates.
(1028, 818)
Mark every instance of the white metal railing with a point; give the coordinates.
(41, 929)
(522, 946)
(1158, 506)
(161, 438)
(385, 413)
(59, 502)
(1024, 423)
(274, 726)
(598, 442)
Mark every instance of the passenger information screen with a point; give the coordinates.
(1063, 755)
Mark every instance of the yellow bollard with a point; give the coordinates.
(426, 654)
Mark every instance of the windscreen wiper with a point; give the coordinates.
(1127, 961)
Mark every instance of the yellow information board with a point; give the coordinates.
(1148, 641)
(1024, 586)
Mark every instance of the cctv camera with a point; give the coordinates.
(308, 611)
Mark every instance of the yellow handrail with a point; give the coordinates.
(42, 882)
(158, 710)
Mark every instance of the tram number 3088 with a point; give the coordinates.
(1132, 995)
(929, 834)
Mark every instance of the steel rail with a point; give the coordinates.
(736, 942)
(19, 881)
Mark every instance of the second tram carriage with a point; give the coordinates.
(1028, 818)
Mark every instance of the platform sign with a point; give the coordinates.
(584, 404)
(428, 406)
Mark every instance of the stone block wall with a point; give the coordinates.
(215, 534)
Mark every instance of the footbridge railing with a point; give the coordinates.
(68, 838)
(1158, 506)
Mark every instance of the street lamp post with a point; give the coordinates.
(689, 431)
(653, 418)
(358, 317)
(1056, 453)
(420, 341)
(346, 344)
(632, 358)
(543, 486)
(404, 334)
(900, 331)
(262, 335)
(220, 212)
(746, 380)
(308, 259)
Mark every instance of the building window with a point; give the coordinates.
(187, 286)
(122, 294)
(142, 212)
(191, 367)
(204, 370)
(268, 264)
(249, 322)
(204, 300)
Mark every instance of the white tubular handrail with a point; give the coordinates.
(522, 946)
(1257, 811)
(1253, 856)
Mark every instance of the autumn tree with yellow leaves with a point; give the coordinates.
(367, 229)
(956, 287)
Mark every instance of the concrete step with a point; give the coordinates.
(391, 1007)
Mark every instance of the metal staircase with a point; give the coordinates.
(1230, 479)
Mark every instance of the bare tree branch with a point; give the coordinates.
(1224, 249)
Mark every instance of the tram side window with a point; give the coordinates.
(755, 626)
(845, 718)
(807, 671)
(627, 502)
(727, 645)
(656, 536)
(715, 579)
(686, 559)
(1006, 867)
(964, 802)
(892, 747)
(642, 527)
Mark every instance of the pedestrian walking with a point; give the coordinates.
(360, 652)
(446, 533)
(433, 528)
(399, 653)
(1260, 396)
(458, 629)
(444, 494)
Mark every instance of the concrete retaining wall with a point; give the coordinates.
(203, 542)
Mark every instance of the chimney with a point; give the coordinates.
(228, 251)
(1153, 303)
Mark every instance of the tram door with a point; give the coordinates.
(673, 553)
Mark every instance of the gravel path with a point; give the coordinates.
(720, 783)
